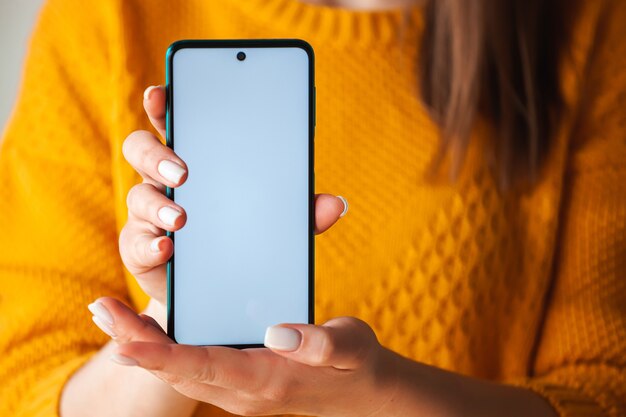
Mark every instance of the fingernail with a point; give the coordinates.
(345, 205)
(171, 171)
(282, 338)
(148, 91)
(103, 326)
(123, 360)
(99, 310)
(154, 245)
(168, 215)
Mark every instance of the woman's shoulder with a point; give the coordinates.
(599, 55)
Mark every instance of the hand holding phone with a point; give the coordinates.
(144, 248)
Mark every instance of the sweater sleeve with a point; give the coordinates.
(580, 363)
(58, 250)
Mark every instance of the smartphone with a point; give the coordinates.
(241, 114)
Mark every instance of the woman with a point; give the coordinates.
(496, 290)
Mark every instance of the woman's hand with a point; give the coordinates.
(143, 245)
(336, 369)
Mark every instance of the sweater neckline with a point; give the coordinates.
(335, 24)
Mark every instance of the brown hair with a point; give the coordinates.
(498, 59)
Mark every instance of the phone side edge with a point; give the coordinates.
(169, 192)
(312, 124)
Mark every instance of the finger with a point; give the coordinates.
(124, 325)
(142, 248)
(154, 105)
(149, 320)
(147, 203)
(215, 365)
(343, 343)
(328, 209)
(153, 160)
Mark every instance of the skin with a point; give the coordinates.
(338, 369)
(366, 4)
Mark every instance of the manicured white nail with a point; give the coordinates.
(282, 338)
(103, 326)
(168, 215)
(154, 245)
(171, 171)
(345, 205)
(148, 91)
(123, 360)
(100, 311)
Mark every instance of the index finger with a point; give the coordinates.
(214, 365)
(155, 162)
(154, 105)
(126, 325)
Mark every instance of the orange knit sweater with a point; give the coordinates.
(526, 289)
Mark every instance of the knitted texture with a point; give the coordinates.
(524, 288)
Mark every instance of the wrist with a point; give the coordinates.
(386, 384)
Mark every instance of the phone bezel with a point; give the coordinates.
(169, 88)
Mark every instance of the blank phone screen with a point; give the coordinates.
(242, 261)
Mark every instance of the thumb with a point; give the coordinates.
(343, 343)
